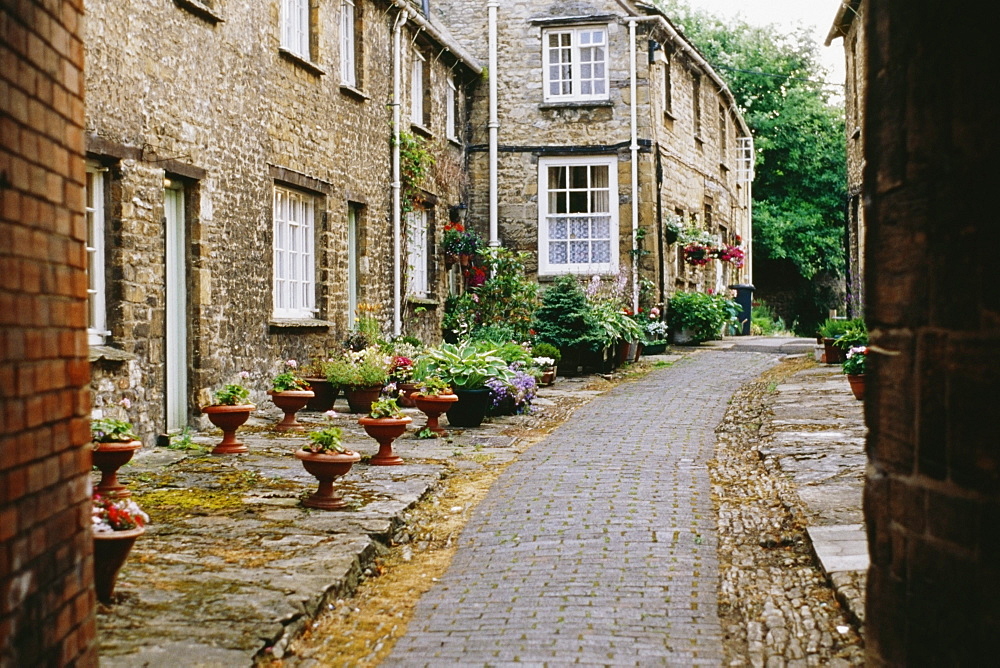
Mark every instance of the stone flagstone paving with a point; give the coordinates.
(598, 545)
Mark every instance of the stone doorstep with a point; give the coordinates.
(841, 547)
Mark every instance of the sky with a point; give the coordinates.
(817, 15)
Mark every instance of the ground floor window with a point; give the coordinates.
(97, 328)
(294, 257)
(417, 252)
(578, 215)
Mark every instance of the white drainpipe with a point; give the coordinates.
(397, 185)
(494, 124)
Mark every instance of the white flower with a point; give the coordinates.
(543, 361)
(244, 375)
(292, 363)
(331, 414)
(125, 403)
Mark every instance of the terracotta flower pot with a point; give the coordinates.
(433, 407)
(109, 457)
(548, 376)
(326, 467)
(360, 399)
(325, 395)
(834, 353)
(385, 431)
(111, 549)
(857, 382)
(290, 402)
(228, 419)
(406, 392)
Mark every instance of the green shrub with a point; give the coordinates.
(701, 314)
(566, 319)
(764, 322)
(546, 350)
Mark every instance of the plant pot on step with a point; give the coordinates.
(111, 549)
(470, 409)
(360, 399)
(325, 395)
(857, 382)
(326, 467)
(434, 407)
(109, 457)
(406, 392)
(290, 402)
(548, 376)
(385, 431)
(654, 348)
(228, 419)
(834, 354)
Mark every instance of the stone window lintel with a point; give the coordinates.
(201, 10)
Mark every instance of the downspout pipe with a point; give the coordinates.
(397, 184)
(494, 124)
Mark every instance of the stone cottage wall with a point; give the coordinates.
(46, 582)
(200, 93)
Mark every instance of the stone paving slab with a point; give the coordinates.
(598, 545)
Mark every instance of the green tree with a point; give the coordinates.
(800, 185)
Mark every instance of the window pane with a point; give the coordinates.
(579, 252)
(557, 253)
(579, 176)
(579, 228)
(601, 251)
(558, 228)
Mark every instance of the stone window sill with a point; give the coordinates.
(299, 323)
(421, 130)
(351, 91)
(429, 301)
(200, 9)
(296, 59)
(109, 354)
(583, 104)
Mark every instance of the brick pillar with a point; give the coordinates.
(46, 592)
(932, 500)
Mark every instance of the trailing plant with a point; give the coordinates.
(415, 162)
(386, 407)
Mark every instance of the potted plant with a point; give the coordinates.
(229, 412)
(854, 367)
(385, 423)
(290, 393)
(831, 330)
(459, 243)
(325, 458)
(694, 317)
(433, 397)
(654, 333)
(324, 392)
(116, 524)
(546, 356)
(567, 321)
(466, 367)
(401, 376)
(113, 443)
(513, 396)
(362, 375)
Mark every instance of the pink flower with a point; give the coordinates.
(292, 363)
(125, 403)
(244, 375)
(331, 414)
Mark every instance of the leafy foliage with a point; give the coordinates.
(701, 314)
(466, 366)
(565, 318)
(415, 162)
(111, 430)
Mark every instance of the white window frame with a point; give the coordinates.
(571, 53)
(348, 50)
(545, 219)
(417, 89)
(418, 272)
(295, 29)
(451, 117)
(294, 259)
(97, 329)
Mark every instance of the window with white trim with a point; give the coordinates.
(417, 279)
(295, 28)
(575, 64)
(294, 290)
(578, 215)
(451, 110)
(97, 326)
(348, 44)
(420, 91)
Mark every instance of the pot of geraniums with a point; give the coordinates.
(654, 333)
(324, 392)
(385, 423)
(326, 459)
(854, 367)
(362, 375)
(433, 397)
(466, 367)
(229, 412)
(116, 524)
(113, 443)
(290, 393)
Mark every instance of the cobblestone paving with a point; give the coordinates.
(599, 545)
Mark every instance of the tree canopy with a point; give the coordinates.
(800, 185)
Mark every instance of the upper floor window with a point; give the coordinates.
(420, 91)
(451, 110)
(668, 88)
(294, 287)
(696, 105)
(578, 214)
(97, 324)
(575, 64)
(295, 28)
(349, 44)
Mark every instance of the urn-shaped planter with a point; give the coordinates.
(434, 407)
(360, 399)
(111, 549)
(228, 419)
(325, 394)
(326, 467)
(290, 402)
(470, 409)
(109, 457)
(385, 431)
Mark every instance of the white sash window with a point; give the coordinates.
(294, 260)
(575, 64)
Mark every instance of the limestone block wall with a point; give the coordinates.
(46, 588)
(202, 94)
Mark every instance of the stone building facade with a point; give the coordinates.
(241, 191)
(566, 142)
(849, 25)
(46, 590)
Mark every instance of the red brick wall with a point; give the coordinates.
(932, 499)
(46, 593)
